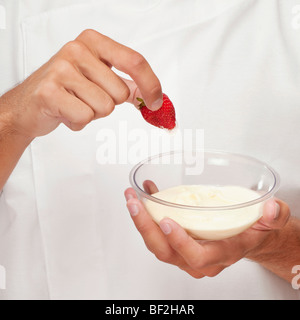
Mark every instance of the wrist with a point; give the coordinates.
(265, 248)
(274, 244)
(8, 128)
(280, 250)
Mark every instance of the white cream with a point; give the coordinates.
(207, 224)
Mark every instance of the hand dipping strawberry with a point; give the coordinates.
(163, 118)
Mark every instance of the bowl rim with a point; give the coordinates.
(264, 197)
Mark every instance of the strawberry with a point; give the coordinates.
(163, 118)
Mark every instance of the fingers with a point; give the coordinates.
(74, 113)
(83, 95)
(88, 92)
(83, 68)
(171, 244)
(197, 255)
(77, 85)
(150, 231)
(275, 215)
(128, 61)
(96, 71)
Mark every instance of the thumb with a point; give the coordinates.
(275, 215)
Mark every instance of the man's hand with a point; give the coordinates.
(77, 85)
(74, 87)
(273, 237)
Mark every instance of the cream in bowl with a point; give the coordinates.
(221, 200)
(211, 223)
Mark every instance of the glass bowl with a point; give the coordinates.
(231, 190)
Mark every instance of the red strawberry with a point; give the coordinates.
(163, 118)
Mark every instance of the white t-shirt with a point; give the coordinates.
(232, 69)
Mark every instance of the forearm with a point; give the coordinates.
(281, 251)
(12, 145)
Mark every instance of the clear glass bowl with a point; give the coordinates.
(208, 168)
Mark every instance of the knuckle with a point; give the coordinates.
(160, 256)
(213, 272)
(191, 272)
(61, 67)
(198, 276)
(136, 60)
(76, 127)
(87, 34)
(163, 256)
(83, 119)
(149, 247)
(196, 264)
(46, 90)
(108, 107)
(123, 95)
(74, 48)
(87, 117)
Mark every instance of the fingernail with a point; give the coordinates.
(277, 211)
(128, 196)
(156, 104)
(165, 228)
(133, 209)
